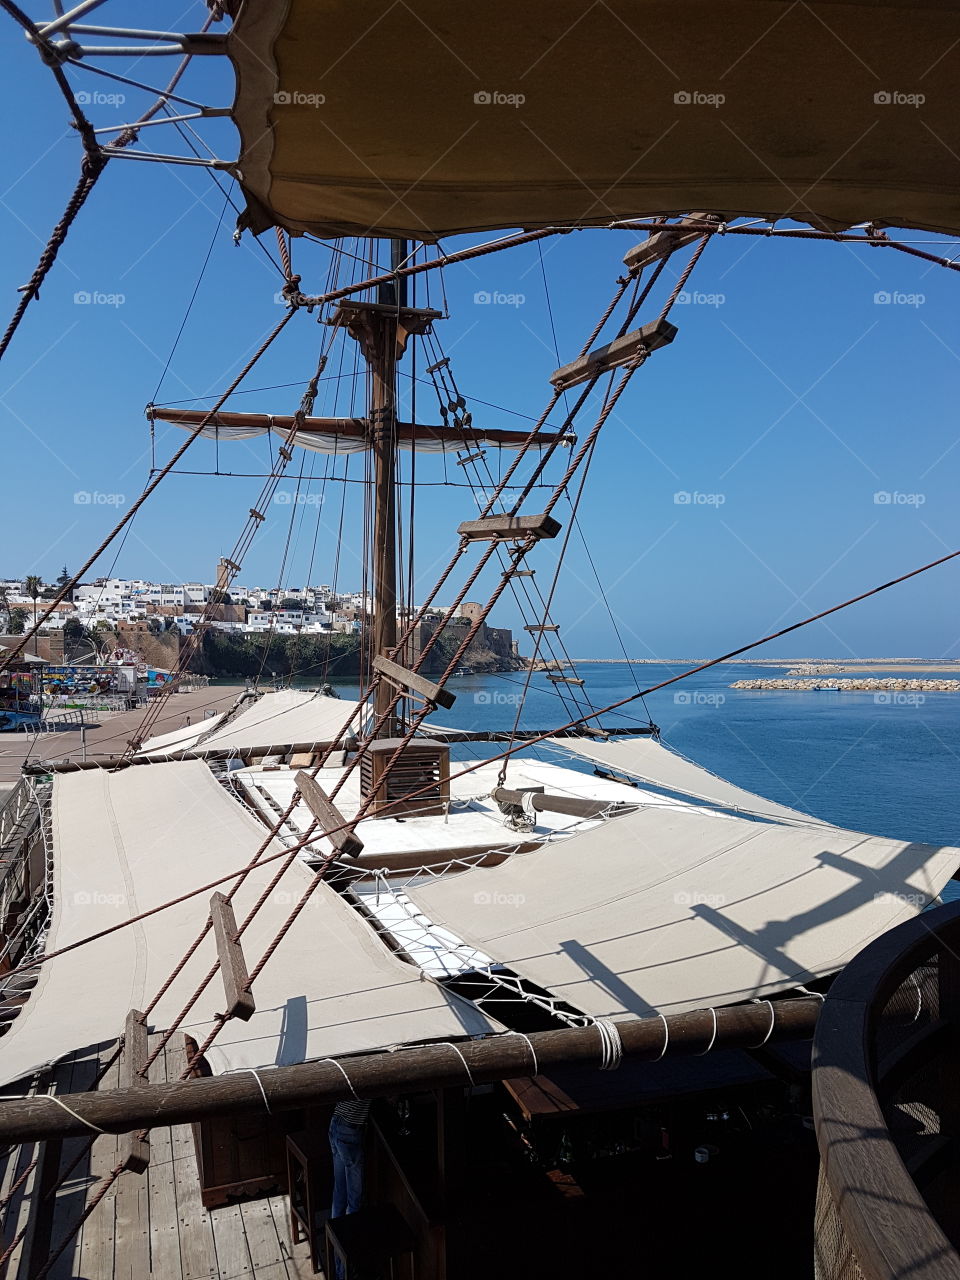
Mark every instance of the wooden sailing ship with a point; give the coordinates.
(312, 901)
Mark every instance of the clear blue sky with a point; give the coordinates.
(797, 398)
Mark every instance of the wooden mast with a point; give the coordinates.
(382, 329)
(383, 431)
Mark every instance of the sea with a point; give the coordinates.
(885, 764)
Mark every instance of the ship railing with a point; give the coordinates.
(886, 1101)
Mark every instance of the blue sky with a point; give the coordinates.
(789, 400)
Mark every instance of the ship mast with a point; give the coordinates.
(382, 329)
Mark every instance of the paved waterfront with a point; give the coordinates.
(108, 734)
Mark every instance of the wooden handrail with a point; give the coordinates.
(887, 1222)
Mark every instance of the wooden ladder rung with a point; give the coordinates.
(397, 674)
(659, 333)
(502, 528)
(347, 843)
(659, 244)
(543, 626)
(233, 967)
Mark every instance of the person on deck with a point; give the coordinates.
(347, 1131)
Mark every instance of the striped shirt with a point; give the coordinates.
(354, 1112)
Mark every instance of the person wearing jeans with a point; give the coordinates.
(347, 1133)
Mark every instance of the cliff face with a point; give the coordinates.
(490, 650)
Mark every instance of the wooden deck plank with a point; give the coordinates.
(233, 1256)
(198, 1252)
(164, 1219)
(14, 1214)
(261, 1232)
(296, 1257)
(93, 1253)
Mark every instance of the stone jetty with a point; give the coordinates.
(854, 684)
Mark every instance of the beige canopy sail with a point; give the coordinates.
(666, 909)
(332, 987)
(650, 761)
(359, 118)
(282, 718)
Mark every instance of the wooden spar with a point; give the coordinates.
(35, 767)
(347, 843)
(399, 675)
(413, 1070)
(356, 428)
(508, 528)
(233, 967)
(614, 354)
(134, 1151)
(575, 806)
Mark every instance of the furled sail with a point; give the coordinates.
(348, 435)
(538, 114)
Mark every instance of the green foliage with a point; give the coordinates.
(230, 653)
(16, 621)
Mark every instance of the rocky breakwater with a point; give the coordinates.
(854, 684)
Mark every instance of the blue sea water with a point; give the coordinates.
(883, 767)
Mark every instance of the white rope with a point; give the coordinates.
(52, 1097)
(533, 1052)
(819, 994)
(466, 1068)
(611, 1046)
(345, 1076)
(666, 1037)
(713, 1038)
(773, 1018)
(263, 1093)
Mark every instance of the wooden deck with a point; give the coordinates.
(150, 1224)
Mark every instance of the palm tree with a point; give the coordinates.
(33, 587)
